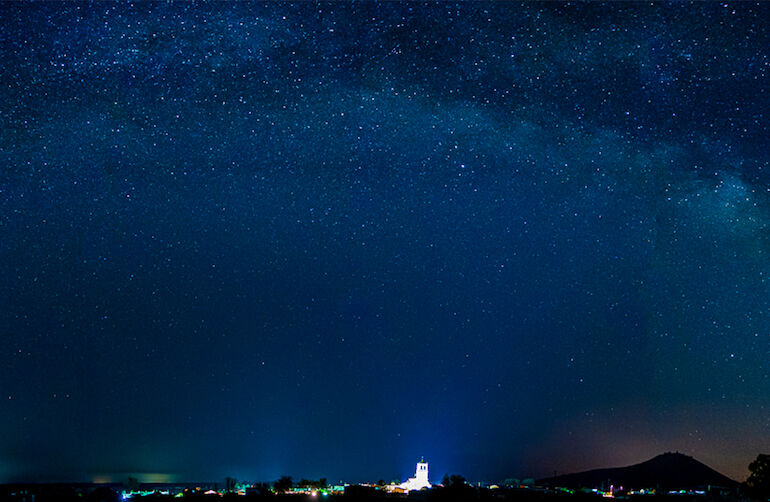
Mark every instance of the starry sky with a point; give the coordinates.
(326, 239)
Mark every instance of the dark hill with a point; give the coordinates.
(670, 471)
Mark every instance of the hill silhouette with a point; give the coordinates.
(669, 471)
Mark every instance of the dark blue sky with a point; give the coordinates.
(326, 239)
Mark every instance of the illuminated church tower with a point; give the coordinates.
(421, 475)
(420, 479)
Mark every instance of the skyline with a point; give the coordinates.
(259, 239)
(668, 468)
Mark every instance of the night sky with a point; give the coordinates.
(326, 239)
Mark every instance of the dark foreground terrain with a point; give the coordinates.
(75, 493)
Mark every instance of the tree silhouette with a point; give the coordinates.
(284, 484)
(455, 489)
(759, 479)
(453, 481)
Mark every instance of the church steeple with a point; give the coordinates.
(421, 474)
(420, 479)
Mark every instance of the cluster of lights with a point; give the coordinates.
(607, 494)
(325, 492)
(315, 492)
(144, 493)
(643, 491)
(239, 490)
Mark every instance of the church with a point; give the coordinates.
(420, 479)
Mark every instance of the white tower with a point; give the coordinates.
(420, 479)
(421, 475)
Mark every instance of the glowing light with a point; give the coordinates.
(420, 479)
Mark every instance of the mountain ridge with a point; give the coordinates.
(667, 471)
